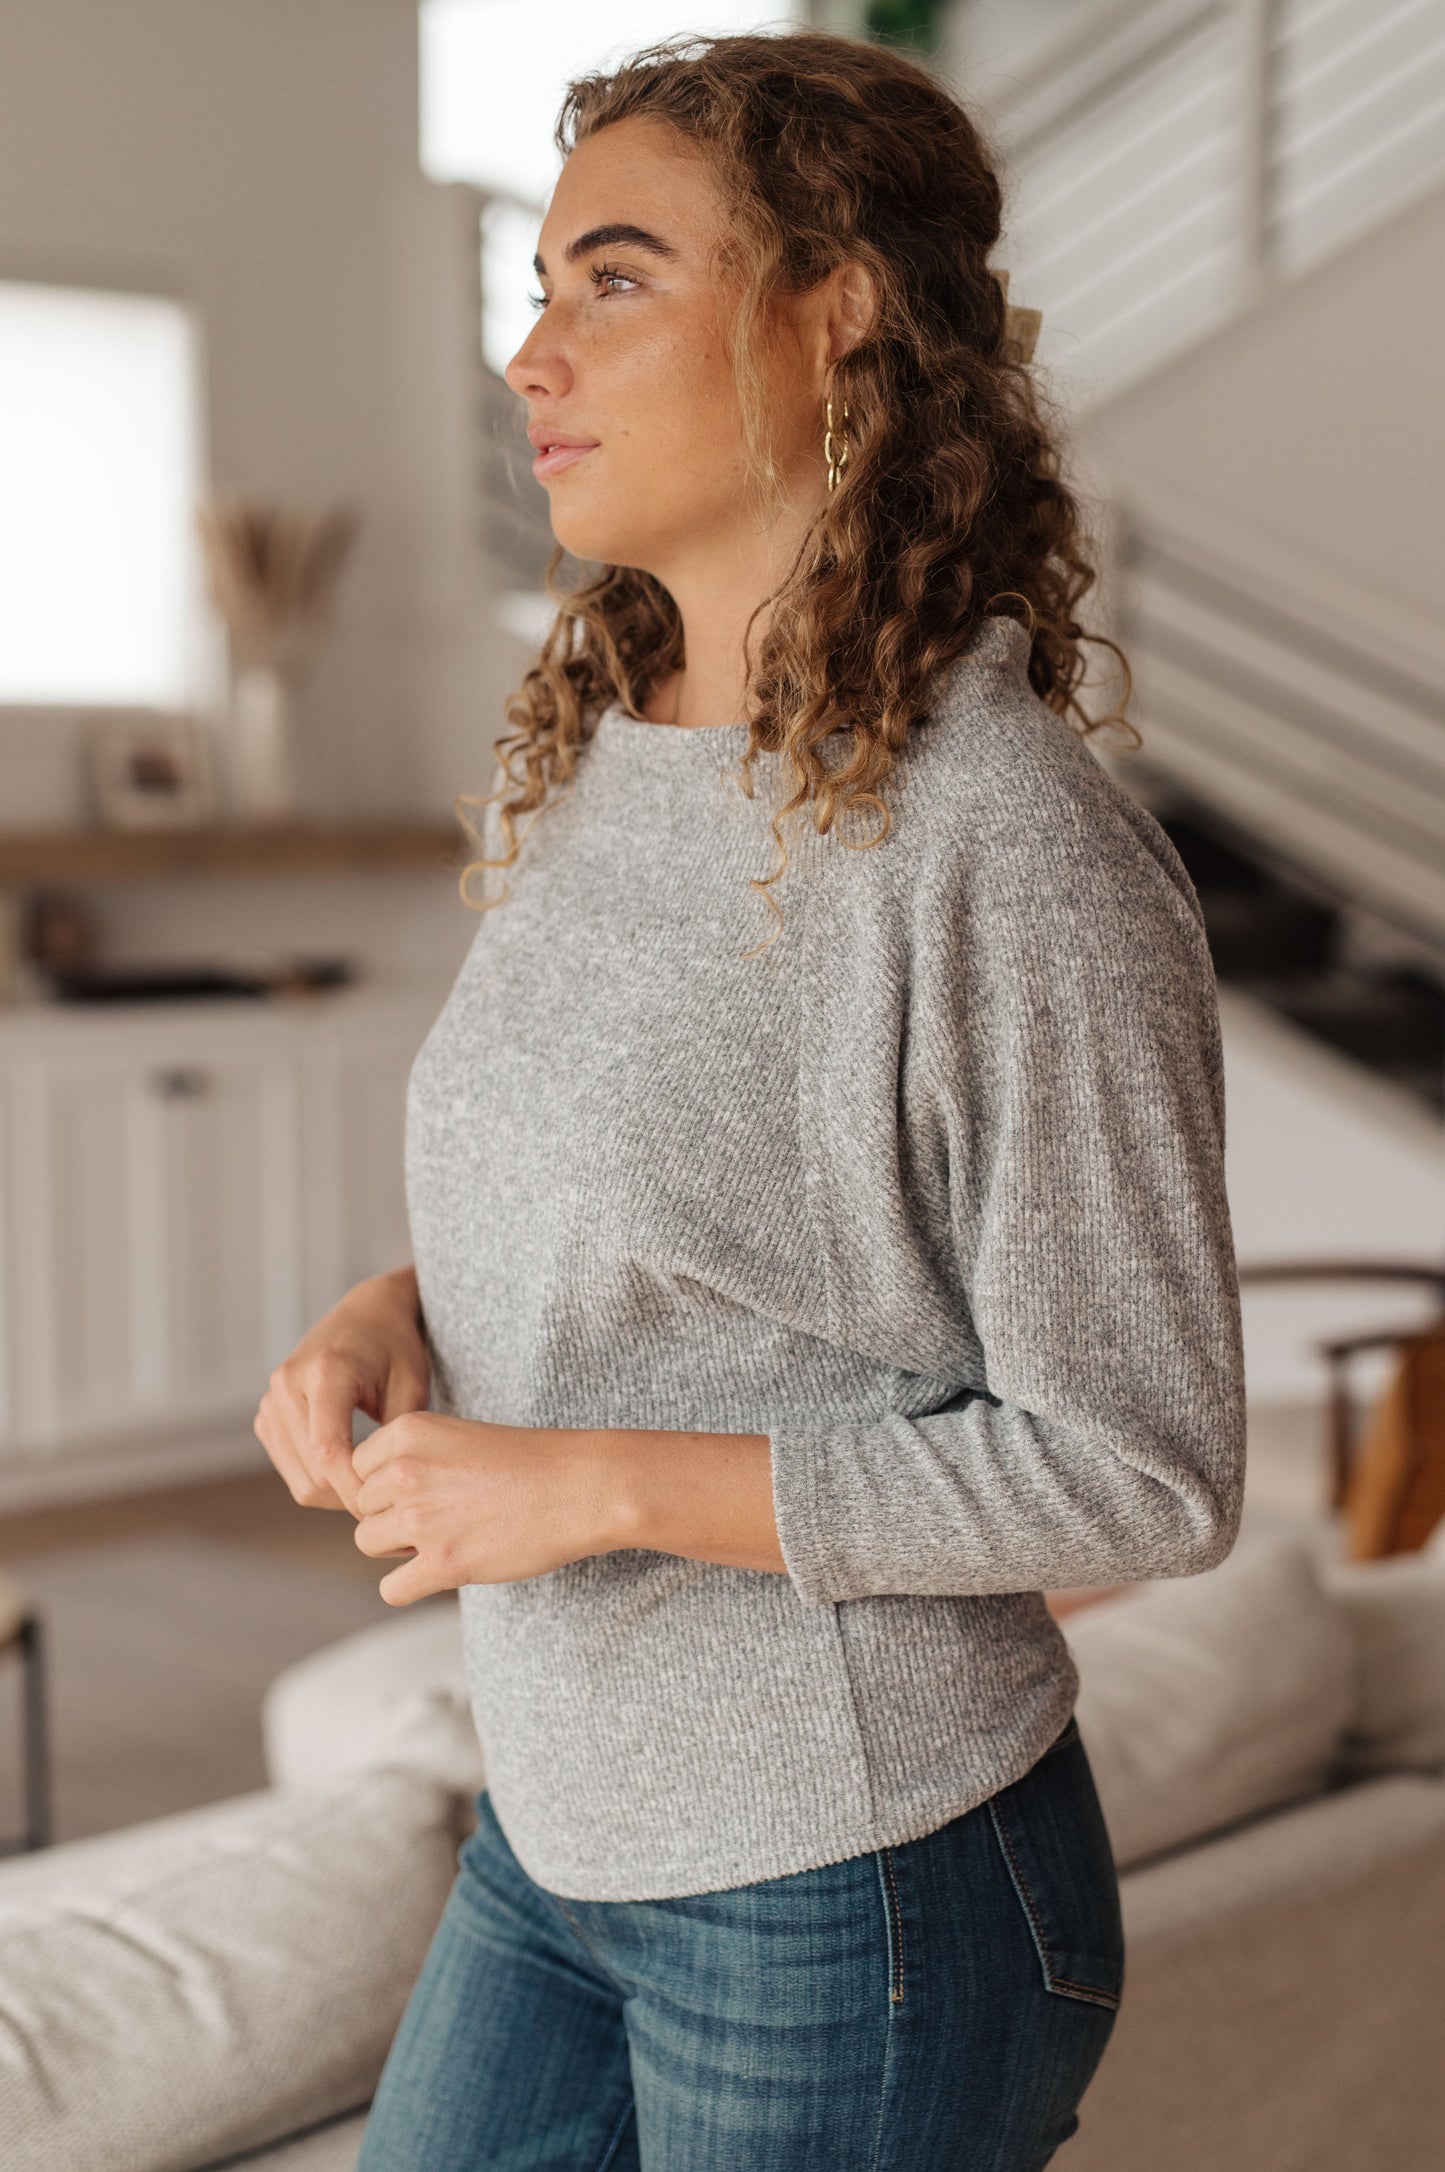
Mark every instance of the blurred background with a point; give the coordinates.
(267, 258)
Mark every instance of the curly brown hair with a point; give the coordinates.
(954, 502)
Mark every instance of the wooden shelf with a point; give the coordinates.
(292, 848)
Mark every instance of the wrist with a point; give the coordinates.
(705, 1496)
(620, 1502)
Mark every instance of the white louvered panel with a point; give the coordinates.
(1320, 37)
(1396, 729)
(1113, 225)
(1156, 323)
(1264, 740)
(1313, 717)
(1358, 116)
(1105, 156)
(1122, 222)
(1161, 170)
(1364, 866)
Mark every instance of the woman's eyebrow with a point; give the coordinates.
(599, 237)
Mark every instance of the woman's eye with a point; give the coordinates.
(600, 275)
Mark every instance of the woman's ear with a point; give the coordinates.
(854, 309)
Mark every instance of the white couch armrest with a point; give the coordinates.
(212, 1982)
(395, 1693)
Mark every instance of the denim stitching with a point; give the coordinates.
(1055, 1981)
(559, 1903)
(616, 2136)
(884, 1861)
(895, 1928)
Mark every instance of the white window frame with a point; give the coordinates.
(197, 685)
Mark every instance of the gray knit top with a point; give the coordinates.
(930, 1191)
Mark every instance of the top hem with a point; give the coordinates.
(725, 1874)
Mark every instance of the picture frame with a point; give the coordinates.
(151, 772)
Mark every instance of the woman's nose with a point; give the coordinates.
(538, 366)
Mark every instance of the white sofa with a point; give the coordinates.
(219, 1988)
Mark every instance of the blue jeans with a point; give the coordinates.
(938, 2004)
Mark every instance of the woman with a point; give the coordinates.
(799, 1293)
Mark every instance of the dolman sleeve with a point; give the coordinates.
(1064, 997)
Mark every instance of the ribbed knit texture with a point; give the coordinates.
(930, 1192)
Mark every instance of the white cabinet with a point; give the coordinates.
(155, 1204)
(354, 1112)
(181, 1193)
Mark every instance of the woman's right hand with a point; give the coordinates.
(367, 1353)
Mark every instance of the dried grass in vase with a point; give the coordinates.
(273, 574)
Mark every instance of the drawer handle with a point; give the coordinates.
(180, 1082)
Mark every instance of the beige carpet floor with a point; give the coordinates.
(158, 1651)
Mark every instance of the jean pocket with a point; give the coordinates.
(1051, 1832)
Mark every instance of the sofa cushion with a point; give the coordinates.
(1396, 1611)
(394, 1693)
(211, 1982)
(1206, 1699)
(333, 2147)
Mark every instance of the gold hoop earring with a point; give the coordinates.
(835, 446)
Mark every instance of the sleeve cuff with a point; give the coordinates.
(793, 1459)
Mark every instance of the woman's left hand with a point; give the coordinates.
(474, 1503)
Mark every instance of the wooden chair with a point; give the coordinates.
(1388, 1479)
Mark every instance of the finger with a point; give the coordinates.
(376, 1493)
(331, 1397)
(267, 1428)
(414, 1580)
(279, 1424)
(382, 1534)
(369, 1455)
(407, 1435)
(408, 1387)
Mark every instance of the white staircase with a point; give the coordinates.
(1170, 161)
(1310, 712)
(1171, 165)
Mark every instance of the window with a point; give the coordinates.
(99, 568)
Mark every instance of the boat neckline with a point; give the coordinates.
(614, 713)
(999, 639)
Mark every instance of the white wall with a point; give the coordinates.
(259, 158)
(1314, 419)
(1323, 1161)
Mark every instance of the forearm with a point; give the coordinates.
(706, 1496)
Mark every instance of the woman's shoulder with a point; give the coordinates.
(1007, 794)
(991, 744)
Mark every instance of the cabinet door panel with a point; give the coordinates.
(223, 1152)
(156, 1246)
(84, 1359)
(355, 1143)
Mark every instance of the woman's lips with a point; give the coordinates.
(559, 457)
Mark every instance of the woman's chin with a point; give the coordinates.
(587, 533)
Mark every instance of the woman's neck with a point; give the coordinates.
(716, 594)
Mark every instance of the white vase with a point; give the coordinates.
(262, 764)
